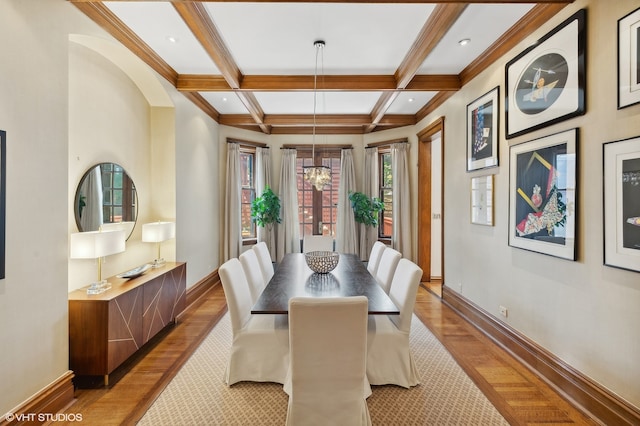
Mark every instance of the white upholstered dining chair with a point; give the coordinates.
(317, 243)
(387, 267)
(253, 273)
(260, 343)
(264, 256)
(374, 257)
(327, 383)
(389, 358)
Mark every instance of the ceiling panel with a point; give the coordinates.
(482, 25)
(159, 25)
(326, 102)
(277, 38)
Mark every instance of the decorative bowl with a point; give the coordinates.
(322, 261)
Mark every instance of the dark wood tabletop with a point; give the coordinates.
(293, 278)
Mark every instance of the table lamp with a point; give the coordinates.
(157, 232)
(96, 245)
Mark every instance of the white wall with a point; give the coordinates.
(583, 312)
(109, 121)
(33, 111)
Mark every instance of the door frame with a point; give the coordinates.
(424, 197)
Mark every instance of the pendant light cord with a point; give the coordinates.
(319, 45)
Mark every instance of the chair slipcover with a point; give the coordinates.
(260, 343)
(387, 267)
(374, 257)
(317, 243)
(253, 273)
(327, 384)
(266, 266)
(389, 359)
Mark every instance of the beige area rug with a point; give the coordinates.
(197, 395)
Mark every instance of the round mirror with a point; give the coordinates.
(106, 198)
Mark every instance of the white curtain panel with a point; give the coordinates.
(401, 238)
(289, 229)
(369, 234)
(263, 179)
(346, 233)
(92, 217)
(232, 216)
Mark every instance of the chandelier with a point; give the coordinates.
(318, 176)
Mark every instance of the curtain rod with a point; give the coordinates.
(241, 142)
(326, 147)
(385, 143)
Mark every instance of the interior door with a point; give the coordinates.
(426, 179)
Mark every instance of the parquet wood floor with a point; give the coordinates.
(520, 396)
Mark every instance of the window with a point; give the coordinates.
(318, 210)
(385, 225)
(119, 198)
(248, 190)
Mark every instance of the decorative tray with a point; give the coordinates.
(135, 272)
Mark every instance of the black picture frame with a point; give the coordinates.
(482, 131)
(3, 200)
(546, 83)
(629, 59)
(621, 195)
(542, 194)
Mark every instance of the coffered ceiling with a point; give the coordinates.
(385, 64)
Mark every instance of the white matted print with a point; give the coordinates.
(482, 200)
(542, 195)
(629, 59)
(482, 131)
(622, 204)
(546, 83)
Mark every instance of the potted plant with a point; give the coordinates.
(365, 209)
(265, 209)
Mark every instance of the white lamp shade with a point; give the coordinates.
(157, 232)
(95, 244)
(126, 226)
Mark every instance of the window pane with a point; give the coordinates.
(385, 228)
(317, 209)
(386, 223)
(247, 194)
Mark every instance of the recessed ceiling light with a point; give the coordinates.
(464, 41)
(224, 99)
(172, 39)
(411, 99)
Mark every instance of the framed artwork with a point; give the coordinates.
(482, 131)
(3, 199)
(622, 204)
(629, 59)
(482, 200)
(546, 83)
(542, 195)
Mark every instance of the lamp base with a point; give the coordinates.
(158, 263)
(98, 287)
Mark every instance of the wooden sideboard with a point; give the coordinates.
(106, 329)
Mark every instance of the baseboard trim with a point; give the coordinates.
(199, 289)
(583, 392)
(44, 405)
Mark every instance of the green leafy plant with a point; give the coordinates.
(365, 209)
(265, 209)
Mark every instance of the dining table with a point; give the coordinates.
(294, 278)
